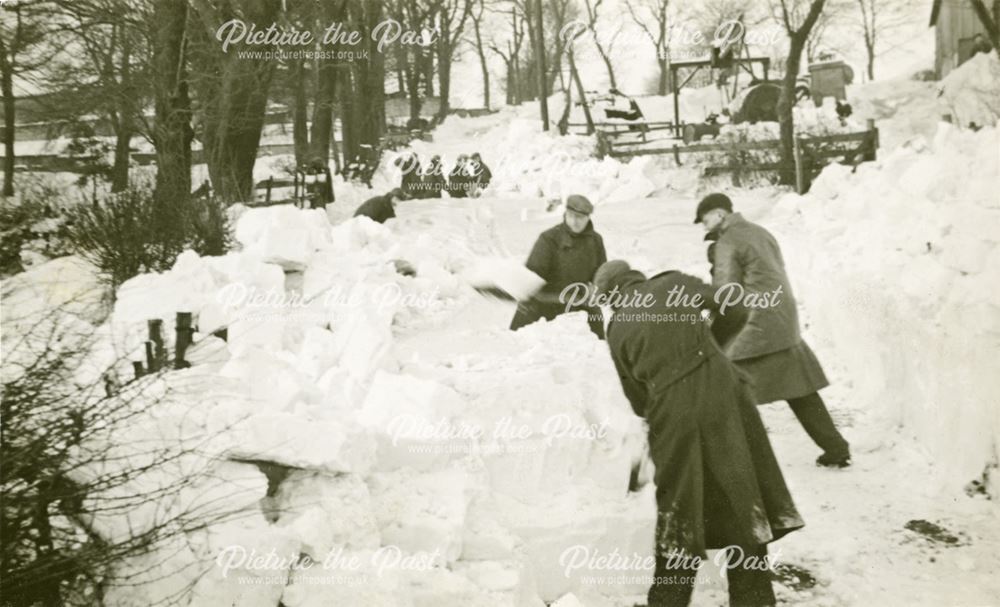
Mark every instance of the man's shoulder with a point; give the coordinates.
(743, 231)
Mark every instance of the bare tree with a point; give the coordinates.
(361, 90)
(451, 18)
(172, 134)
(24, 28)
(73, 485)
(651, 17)
(232, 94)
(478, 11)
(107, 73)
(832, 19)
(417, 15)
(990, 21)
(510, 52)
(798, 18)
(593, 14)
(875, 19)
(534, 14)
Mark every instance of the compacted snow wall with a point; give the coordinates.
(898, 264)
(446, 472)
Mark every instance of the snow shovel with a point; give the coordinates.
(503, 278)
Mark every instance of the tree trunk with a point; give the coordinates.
(989, 22)
(786, 99)
(871, 64)
(173, 107)
(483, 66)
(444, 84)
(663, 84)
(413, 88)
(786, 102)
(124, 128)
(427, 72)
(322, 123)
(609, 67)
(540, 64)
(233, 125)
(7, 86)
(300, 113)
(583, 96)
(235, 92)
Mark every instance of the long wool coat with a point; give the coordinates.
(769, 349)
(717, 480)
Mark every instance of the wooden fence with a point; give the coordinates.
(811, 153)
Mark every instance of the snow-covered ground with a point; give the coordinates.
(433, 457)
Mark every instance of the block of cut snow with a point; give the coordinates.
(422, 511)
(507, 274)
(484, 537)
(295, 440)
(440, 587)
(493, 576)
(414, 422)
(225, 488)
(249, 562)
(283, 234)
(318, 353)
(391, 396)
(272, 384)
(362, 339)
(152, 576)
(356, 582)
(207, 349)
(567, 600)
(69, 284)
(327, 511)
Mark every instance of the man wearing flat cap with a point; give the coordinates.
(564, 255)
(718, 484)
(770, 348)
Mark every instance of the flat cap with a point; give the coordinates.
(580, 204)
(711, 202)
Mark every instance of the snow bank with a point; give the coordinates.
(972, 91)
(362, 440)
(911, 289)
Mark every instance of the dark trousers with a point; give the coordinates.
(815, 419)
(749, 584)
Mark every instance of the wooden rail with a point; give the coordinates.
(811, 153)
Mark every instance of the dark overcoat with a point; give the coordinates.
(717, 480)
(378, 209)
(562, 258)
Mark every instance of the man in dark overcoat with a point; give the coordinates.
(566, 255)
(748, 268)
(718, 484)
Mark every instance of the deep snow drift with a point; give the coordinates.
(391, 429)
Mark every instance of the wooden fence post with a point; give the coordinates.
(184, 337)
(155, 329)
(603, 149)
(871, 141)
(800, 169)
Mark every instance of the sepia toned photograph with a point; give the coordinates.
(500, 303)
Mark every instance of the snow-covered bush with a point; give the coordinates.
(129, 233)
(79, 502)
(32, 228)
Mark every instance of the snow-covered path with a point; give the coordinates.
(856, 548)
